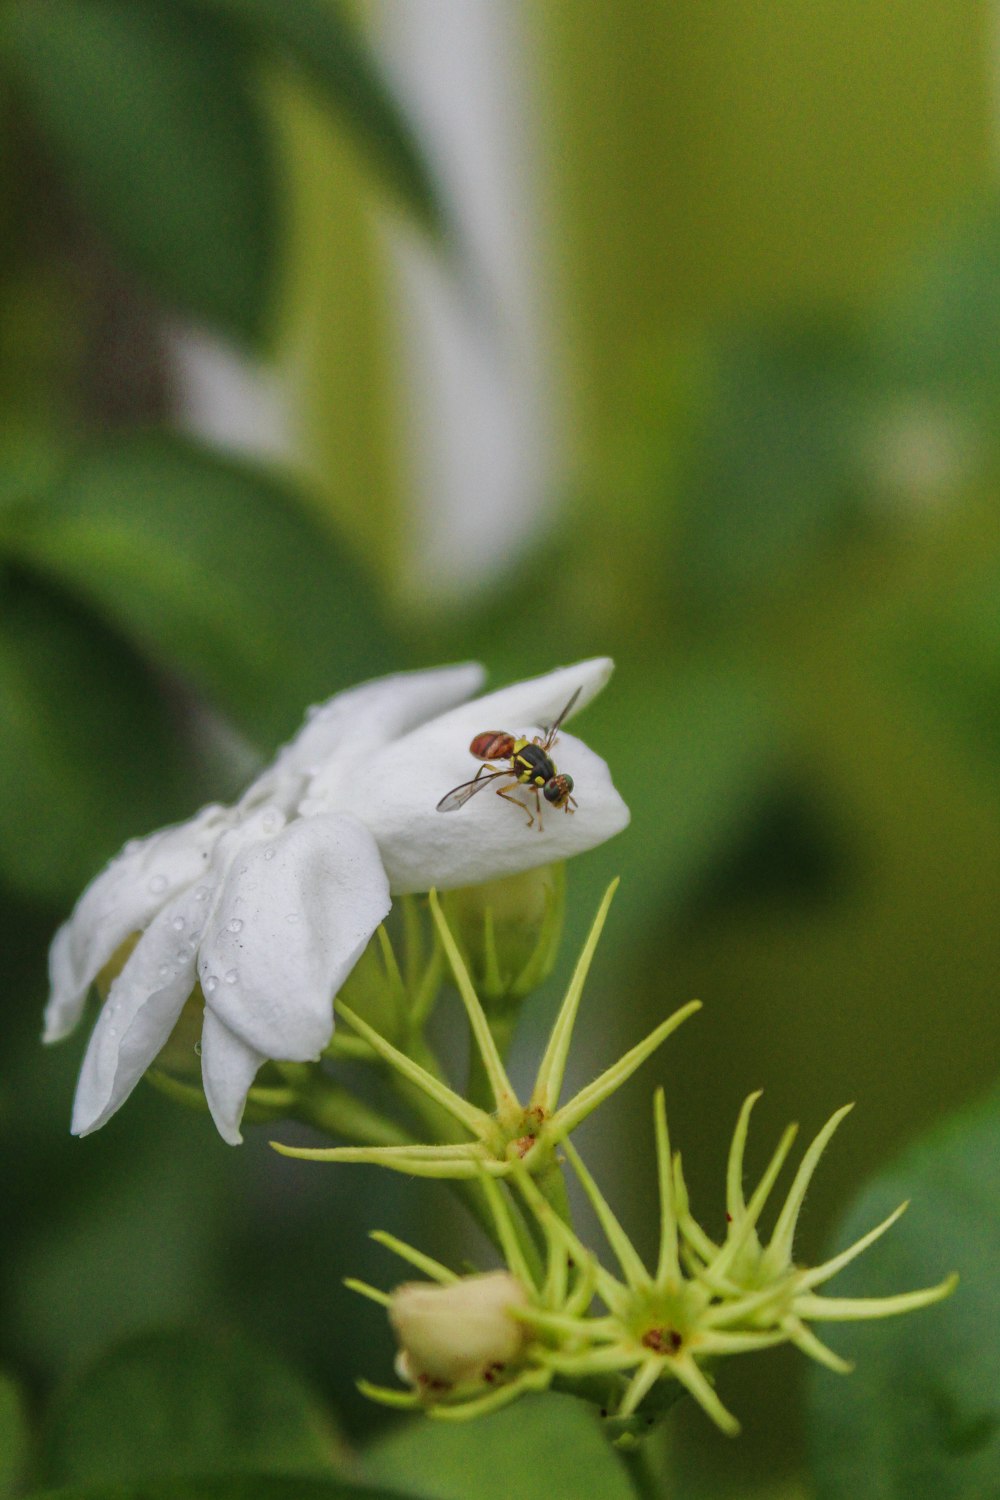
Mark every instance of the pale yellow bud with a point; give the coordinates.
(457, 1333)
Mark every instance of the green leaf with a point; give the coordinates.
(920, 1415)
(213, 570)
(770, 477)
(543, 1446)
(245, 1487)
(946, 648)
(76, 702)
(320, 38)
(13, 1438)
(940, 330)
(177, 1405)
(149, 113)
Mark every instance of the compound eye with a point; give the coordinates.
(558, 788)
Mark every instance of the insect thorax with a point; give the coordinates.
(531, 764)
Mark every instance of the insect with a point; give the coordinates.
(530, 766)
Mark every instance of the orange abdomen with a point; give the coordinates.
(492, 744)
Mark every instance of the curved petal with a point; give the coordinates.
(521, 706)
(292, 918)
(490, 836)
(360, 720)
(398, 789)
(121, 901)
(140, 1012)
(228, 1069)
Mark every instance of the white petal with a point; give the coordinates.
(228, 1068)
(140, 1012)
(292, 919)
(121, 901)
(536, 702)
(489, 837)
(396, 791)
(362, 719)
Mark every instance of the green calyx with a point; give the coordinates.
(496, 1140)
(634, 1339)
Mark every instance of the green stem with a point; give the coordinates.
(324, 1104)
(640, 1470)
(552, 1186)
(502, 1021)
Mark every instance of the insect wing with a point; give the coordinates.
(550, 733)
(459, 795)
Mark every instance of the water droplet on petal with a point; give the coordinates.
(269, 852)
(158, 884)
(197, 1048)
(231, 976)
(182, 955)
(112, 1031)
(209, 984)
(293, 916)
(236, 925)
(165, 971)
(201, 894)
(178, 924)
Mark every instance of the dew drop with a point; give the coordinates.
(197, 1048)
(269, 852)
(165, 971)
(178, 924)
(182, 955)
(201, 894)
(112, 1031)
(158, 884)
(231, 976)
(209, 984)
(293, 916)
(236, 925)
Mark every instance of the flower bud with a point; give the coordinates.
(459, 1332)
(509, 931)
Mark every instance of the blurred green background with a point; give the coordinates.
(338, 340)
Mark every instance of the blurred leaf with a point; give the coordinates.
(212, 568)
(940, 330)
(948, 648)
(770, 482)
(13, 1438)
(920, 1416)
(323, 41)
(549, 1446)
(152, 120)
(175, 1405)
(244, 1487)
(76, 702)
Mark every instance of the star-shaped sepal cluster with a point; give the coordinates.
(495, 1141)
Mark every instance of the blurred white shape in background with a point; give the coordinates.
(474, 392)
(227, 399)
(475, 388)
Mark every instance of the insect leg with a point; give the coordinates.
(504, 792)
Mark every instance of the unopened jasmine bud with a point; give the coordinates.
(509, 931)
(458, 1333)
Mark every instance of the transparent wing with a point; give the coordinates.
(550, 733)
(459, 795)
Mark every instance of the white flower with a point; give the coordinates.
(268, 904)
